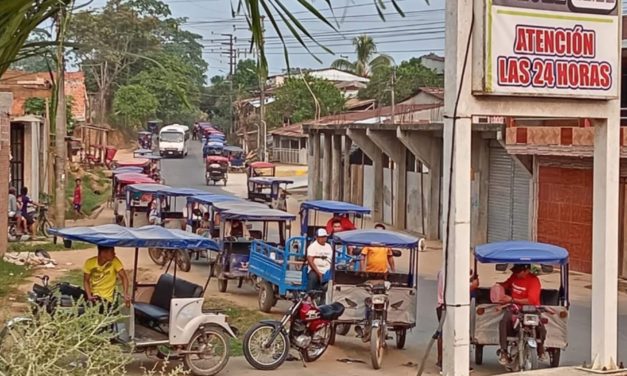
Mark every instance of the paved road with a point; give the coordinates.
(189, 172)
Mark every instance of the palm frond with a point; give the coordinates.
(343, 64)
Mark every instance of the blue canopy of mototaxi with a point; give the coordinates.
(269, 180)
(142, 237)
(180, 192)
(233, 149)
(237, 205)
(146, 188)
(210, 199)
(127, 170)
(376, 238)
(521, 252)
(338, 207)
(257, 214)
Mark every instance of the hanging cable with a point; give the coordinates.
(438, 331)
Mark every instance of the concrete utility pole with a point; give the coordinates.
(232, 63)
(6, 99)
(262, 109)
(60, 126)
(456, 218)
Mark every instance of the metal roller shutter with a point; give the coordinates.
(508, 197)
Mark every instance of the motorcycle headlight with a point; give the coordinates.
(532, 320)
(378, 299)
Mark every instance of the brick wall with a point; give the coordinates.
(565, 212)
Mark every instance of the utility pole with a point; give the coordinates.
(232, 63)
(393, 94)
(60, 124)
(262, 97)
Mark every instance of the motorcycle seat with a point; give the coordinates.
(331, 312)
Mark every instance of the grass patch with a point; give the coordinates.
(239, 317)
(48, 246)
(11, 276)
(92, 199)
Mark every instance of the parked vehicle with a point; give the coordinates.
(143, 163)
(306, 327)
(216, 169)
(315, 214)
(159, 319)
(119, 193)
(236, 157)
(144, 140)
(553, 313)
(240, 224)
(138, 199)
(378, 303)
(174, 140)
(270, 190)
(212, 148)
(260, 169)
(141, 153)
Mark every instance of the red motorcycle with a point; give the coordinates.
(306, 327)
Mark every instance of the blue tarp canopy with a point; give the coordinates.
(233, 149)
(146, 188)
(210, 199)
(181, 192)
(338, 207)
(128, 170)
(520, 252)
(382, 238)
(257, 214)
(216, 144)
(142, 237)
(238, 205)
(269, 180)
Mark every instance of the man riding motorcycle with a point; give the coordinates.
(524, 289)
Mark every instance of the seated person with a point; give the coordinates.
(377, 259)
(154, 217)
(15, 212)
(345, 222)
(525, 289)
(205, 225)
(237, 229)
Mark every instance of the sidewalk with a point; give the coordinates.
(564, 371)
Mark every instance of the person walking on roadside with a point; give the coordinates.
(78, 197)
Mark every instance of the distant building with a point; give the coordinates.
(433, 61)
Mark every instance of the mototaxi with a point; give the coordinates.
(354, 288)
(235, 154)
(120, 182)
(212, 148)
(138, 200)
(270, 190)
(165, 318)
(216, 169)
(144, 140)
(315, 214)
(485, 316)
(265, 169)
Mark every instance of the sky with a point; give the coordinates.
(421, 31)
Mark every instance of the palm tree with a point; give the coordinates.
(17, 19)
(366, 60)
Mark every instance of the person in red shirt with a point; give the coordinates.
(77, 200)
(344, 221)
(523, 288)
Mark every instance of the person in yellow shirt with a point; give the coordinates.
(377, 259)
(100, 274)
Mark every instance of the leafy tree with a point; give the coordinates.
(410, 75)
(245, 76)
(37, 106)
(172, 86)
(294, 100)
(113, 38)
(366, 62)
(135, 104)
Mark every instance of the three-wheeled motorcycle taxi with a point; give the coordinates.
(120, 182)
(240, 224)
(270, 190)
(314, 212)
(138, 200)
(171, 213)
(216, 169)
(212, 148)
(235, 154)
(140, 153)
(165, 318)
(377, 303)
(134, 162)
(553, 313)
(261, 169)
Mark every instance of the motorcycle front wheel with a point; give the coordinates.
(157, 255)
(377, 340)
(263, 355)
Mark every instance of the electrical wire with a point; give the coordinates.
(438, 332)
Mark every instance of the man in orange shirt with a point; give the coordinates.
(376, 260)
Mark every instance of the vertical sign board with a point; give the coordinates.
(554, 48)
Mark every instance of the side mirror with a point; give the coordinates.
(501, 267)
(547, 269)
(396, 253)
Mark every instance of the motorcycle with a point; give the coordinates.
(306, 327)
(375, 328)
(523, 348)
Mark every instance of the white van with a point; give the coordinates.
(174, 140)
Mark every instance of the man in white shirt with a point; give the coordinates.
(319, 255)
